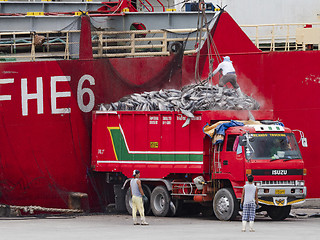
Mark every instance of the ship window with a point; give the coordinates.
(231, 142)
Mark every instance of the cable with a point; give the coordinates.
(70, 24)
(183, 2)
(209, 40)
(199, 40)
(117, 7)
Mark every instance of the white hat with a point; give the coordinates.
(226, 58)
(135, 172)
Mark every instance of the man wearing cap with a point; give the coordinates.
(137, 195)
(228, 75)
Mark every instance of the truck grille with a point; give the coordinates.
(275, 183)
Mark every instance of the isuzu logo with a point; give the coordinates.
(279, 172)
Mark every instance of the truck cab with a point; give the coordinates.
(271, 154)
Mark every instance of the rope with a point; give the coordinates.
(215, 49)
(209, 38)
(196, 70)
(31, 209)
(70, 25)
(210, 43)
(183, 2)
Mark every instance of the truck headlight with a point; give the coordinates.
(258, 184)
(300, 183)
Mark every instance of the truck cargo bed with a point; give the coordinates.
(155, 140)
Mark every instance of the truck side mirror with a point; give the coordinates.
(303, 139)
(304, 142)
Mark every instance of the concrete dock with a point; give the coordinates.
(303, 224)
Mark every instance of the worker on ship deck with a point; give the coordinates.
(228, 75)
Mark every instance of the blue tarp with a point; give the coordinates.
(221, 129)
(279, 123)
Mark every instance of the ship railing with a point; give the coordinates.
(64, 45)
(142, 42)
(40, 45)
(284, 37)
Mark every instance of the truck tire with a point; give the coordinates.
(146, 205)
(160, 201)
(278, 213)
(225, 205)
(128, 200)
(119, 198)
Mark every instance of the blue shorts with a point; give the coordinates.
(249, 211)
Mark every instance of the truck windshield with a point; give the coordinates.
(273, 146)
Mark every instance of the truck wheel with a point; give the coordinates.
(160, 201)
(225, 205)
(128, 200)
(278, 213)
(147, 205)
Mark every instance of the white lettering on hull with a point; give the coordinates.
(38, 95)
(6, 81)
(25, 96)
(55, 94)
(81, 91)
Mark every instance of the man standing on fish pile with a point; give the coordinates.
(228, 75)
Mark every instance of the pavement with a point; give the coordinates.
(303, 224)
(309, 203)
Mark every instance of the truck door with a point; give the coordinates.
(232, 162)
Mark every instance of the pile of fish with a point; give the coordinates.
(190, 98)
(187, 100)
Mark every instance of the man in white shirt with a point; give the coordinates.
(228, 75)
(249, 201)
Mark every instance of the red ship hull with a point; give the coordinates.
(45, 137)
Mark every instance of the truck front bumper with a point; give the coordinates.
(281, 195)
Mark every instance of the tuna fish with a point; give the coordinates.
(190, 98)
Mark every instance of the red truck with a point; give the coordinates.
(182, 164)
